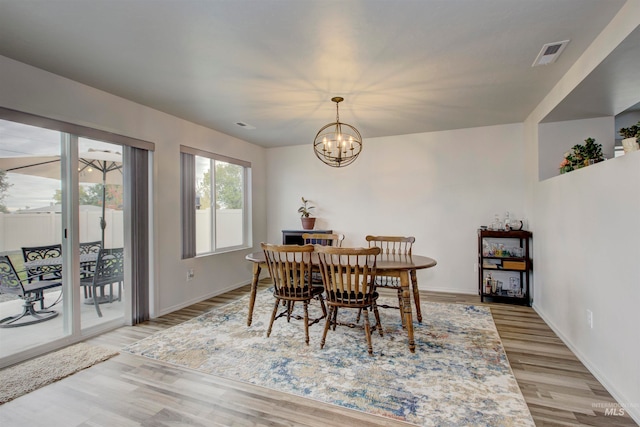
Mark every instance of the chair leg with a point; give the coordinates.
(322, 305)
(40, 296)
(95, 301)
(289, 310)
(416, 294)
(335, 318)
(324, 308)
(367, 330)
(306, 322)
(400, 306)
(273, 316)
(326, 326)
(377, 315)
(28, 310)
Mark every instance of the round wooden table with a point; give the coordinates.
(401, 266)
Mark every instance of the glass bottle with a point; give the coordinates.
(507, 223)
(487, 286)
(496, 223)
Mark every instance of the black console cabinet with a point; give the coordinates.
(294, 237)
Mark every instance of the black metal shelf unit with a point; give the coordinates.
(505, 266)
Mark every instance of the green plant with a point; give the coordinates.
(631, 131)
(305, 210)
(581, 155)
(592, 150)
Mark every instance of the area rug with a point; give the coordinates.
(459, 374)
(30, 375)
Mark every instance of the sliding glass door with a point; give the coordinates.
(101, 206)
(62, 210)
(30, 234)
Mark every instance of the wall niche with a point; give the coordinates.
(606, 100)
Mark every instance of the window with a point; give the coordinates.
(215, 214)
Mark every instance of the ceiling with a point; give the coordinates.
(611, 88)
(402, 66)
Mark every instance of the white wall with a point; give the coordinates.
(587, 248)
(439, 187)
(32, 90)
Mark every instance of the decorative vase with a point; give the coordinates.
(308, 223)
(629, 145)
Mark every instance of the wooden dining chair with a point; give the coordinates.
(322, 239)
(400, 246)
(290, 267)
(348, 275)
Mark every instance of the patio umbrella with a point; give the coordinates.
(94, 166)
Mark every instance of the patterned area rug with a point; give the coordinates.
(459, 374)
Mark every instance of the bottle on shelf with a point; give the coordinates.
(487, 286)
(507, 222)
(496, 224)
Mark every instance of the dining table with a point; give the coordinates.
(401, 266)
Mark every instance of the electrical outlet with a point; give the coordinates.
(190, 274)
(590, 318)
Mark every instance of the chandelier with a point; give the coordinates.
(337, 144)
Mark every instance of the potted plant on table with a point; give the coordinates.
(631, 137)
(308, 222)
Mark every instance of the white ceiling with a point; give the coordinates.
(402, 66)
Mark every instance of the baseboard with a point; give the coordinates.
(451, 291)
(196, 300)
(632, 409)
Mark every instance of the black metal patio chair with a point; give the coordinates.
(29, 290)
(109, 270)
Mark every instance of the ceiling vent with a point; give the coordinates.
(245, 125)
(550, 53)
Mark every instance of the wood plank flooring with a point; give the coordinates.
(133, 391)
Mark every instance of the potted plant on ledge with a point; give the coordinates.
(630, 135)
(582, 155)
(308, 222)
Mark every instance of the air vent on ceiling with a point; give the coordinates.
(550, 53)
(245, 125)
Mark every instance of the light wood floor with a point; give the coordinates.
(129, 390)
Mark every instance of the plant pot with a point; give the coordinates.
(308, 223)
(629, 145)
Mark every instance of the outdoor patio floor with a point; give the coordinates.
(13, 340)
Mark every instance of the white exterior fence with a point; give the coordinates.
(228, 229)
(19, 230)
